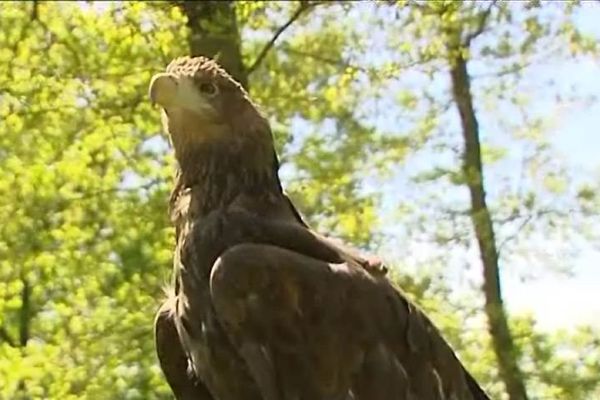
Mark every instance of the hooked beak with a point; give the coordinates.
(163, 89)
(170, 92)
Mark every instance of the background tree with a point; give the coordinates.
(520, 32)
(362, 113)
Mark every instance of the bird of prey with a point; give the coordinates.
(263, 307)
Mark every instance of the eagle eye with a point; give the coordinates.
(208, 88)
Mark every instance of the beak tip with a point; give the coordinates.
(162, 89)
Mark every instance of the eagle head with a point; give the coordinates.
(203, 106)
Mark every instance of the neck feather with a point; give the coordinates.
(216, 174)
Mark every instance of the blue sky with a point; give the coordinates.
(558, 300)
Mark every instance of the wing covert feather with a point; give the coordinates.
(332, 329)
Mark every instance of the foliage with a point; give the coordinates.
(83, 228)
(85, 243)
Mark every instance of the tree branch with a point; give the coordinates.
(304, 6)
(146, 186)
(22, 35)
(342, 63)
(25, 314)
(6, 337)
(483, 18)
(35, 10)
(528, 218)
(516, 233)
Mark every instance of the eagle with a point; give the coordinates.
(262, 307)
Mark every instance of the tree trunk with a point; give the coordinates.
(214, 33)
(480, 216)
(24, 326)
(24, 315)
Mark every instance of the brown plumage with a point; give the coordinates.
(262, 306)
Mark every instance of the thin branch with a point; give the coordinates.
(528, 218)
(319, 57)
(455, 213)
(514, 69)
(154, 183)
(35, 10)
(342, 63)
(22, 35)
(483, 18)
(304, 6)
(146, 186)
(539, 213)
(69, 46)
(516, 233)
(25, 313)
(6, 337)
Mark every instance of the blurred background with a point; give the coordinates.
(364, 100)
